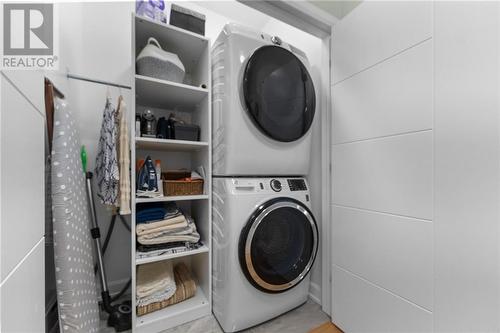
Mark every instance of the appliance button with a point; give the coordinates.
(276, 40)
(276, 185)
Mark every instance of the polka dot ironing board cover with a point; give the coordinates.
(75, 279)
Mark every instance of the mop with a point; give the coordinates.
(120, 315)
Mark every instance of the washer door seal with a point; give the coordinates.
(278, 245)
(279, 93)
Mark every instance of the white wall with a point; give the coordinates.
(416, 167)
(382, 155)
(101, 50)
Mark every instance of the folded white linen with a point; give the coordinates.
(141, 227)
(179, 226)
(153, 278)
(156, 297)
(192, 238)
(186, 229)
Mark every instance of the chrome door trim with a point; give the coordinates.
(248, 244)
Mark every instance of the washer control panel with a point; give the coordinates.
(276, 185)
(297, 184)
(268, 185)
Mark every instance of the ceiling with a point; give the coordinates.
(339, 9)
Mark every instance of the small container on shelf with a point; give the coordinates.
(155, 62)
(186, 132)
(180, 182)
(187, 19)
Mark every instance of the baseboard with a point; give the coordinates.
(315, 292)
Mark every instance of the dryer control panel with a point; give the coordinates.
(297, 184)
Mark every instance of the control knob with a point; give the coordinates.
(276, 185)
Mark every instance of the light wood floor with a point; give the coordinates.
(327, 327)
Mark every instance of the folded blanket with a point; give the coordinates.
(187, 234)
(166, 246)
(155, 278)
(168, 224)
(157, 212)
(185, 228)
(148, 251)
(156, 297)
(192, 238)
(180, 228)
(186, 288)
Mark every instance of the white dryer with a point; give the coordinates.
(263, 102)
(265, 240)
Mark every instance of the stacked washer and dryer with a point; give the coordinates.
(265, 237)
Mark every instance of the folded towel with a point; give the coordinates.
(180, 228)
(186, 234)
(183, 229)
(156, 297)
(166, 246)
(148, 251)
(155, 278)
(157, 212)
(186, 288)
(192, 238)
(168, 224)
(150, 214)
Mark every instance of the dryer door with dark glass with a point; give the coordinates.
(279, 94)
(278, 245)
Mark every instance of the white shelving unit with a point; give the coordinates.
(191, 98)
(172, 145)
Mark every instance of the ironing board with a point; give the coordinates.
(74, 263)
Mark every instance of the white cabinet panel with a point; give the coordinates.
(391, 251)
(391, 175)
(22, 177)
(467, 167)
(359, 306)
(377, 30)
(390, 98)
(22, 307)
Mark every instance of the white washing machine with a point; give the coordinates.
(265, 240)
(263, 102)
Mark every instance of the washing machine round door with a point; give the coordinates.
(279, 94)
(278, 245)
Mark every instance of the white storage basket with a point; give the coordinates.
(155, 62)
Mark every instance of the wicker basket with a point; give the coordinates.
(181, 187)
(186, 288)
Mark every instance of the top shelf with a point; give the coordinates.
(186, 44)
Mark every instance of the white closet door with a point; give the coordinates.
(22, 306)
(22, 217)
(21, 177)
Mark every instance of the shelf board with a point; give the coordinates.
(169, 95)
(146, 27)
(173, 198)
(203, 249)
(169, 145)
(188, 45)
(173, 315)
